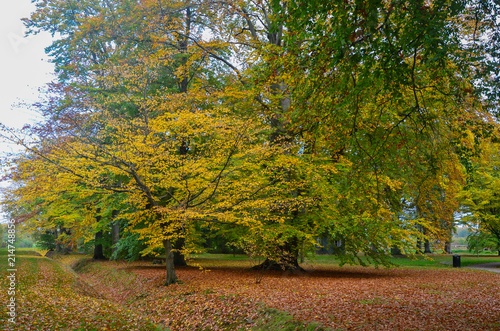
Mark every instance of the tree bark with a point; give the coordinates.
(396, 251)
(287, 260)
(447, 247)
(282, 264)
(171, 276)
(179, 259)
(58, 244)
(427, 247)
(98, 250)
(115, 230)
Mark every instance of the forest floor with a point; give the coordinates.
(221, 293)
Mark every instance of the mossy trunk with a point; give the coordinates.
(286, 260)
(169, 262)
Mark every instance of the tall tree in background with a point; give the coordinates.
(481, 196)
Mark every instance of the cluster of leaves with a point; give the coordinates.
(267, 122)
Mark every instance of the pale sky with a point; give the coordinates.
(24, 66)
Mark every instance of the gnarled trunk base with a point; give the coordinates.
(292, 266)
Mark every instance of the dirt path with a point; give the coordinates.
(493, 267)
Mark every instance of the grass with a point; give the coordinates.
(273, 319)
(473, 252)
(206, 260)
(426, 261)
(373, 301)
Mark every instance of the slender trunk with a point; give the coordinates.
(171, 276)
(447, 247)
(58, 244)
(427, 247)
(98, 250)
(115, 230)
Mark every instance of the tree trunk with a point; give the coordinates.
(282, 264)
(396, 251)
(419, 246)
(447, 247)
(98, 250)
(171, 277)
(179, 259)
(115, 230)
(288, 259)
(427, 247)
(58, 244)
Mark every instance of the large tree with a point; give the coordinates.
(281, 120)
(387, 90)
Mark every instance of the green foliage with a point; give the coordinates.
(129, 247)
(46, 241)
(481, 201)
(478, 241)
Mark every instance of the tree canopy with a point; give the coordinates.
(271, 122)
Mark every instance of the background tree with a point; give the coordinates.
(481, 199)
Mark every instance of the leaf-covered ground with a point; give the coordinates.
(51, 297)
(227, 298)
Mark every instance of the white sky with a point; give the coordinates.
(24, 68)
